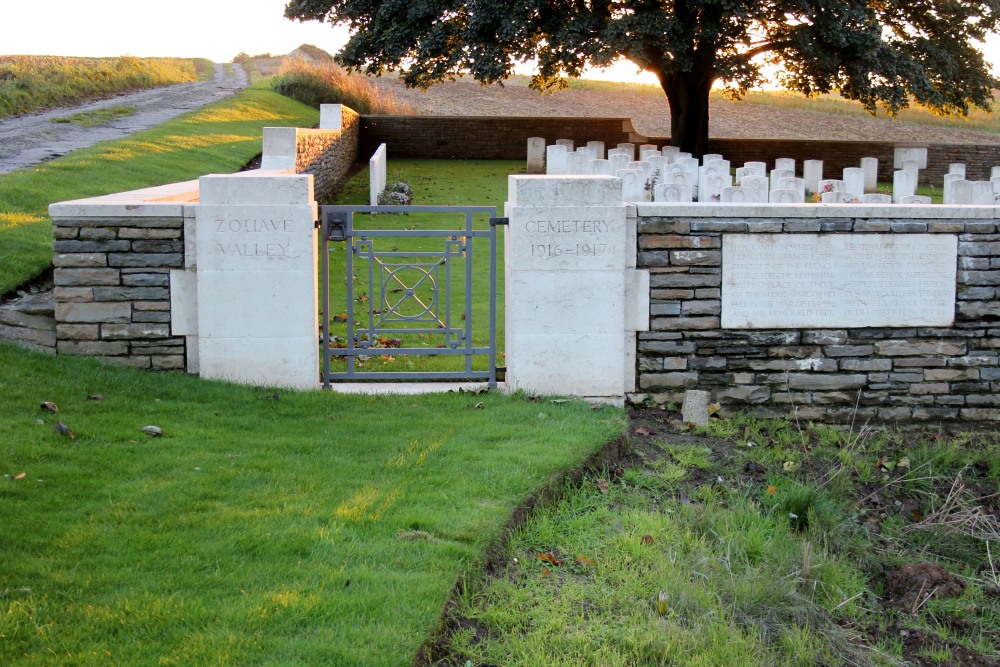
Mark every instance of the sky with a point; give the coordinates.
(215, 29)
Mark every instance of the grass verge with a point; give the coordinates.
(96, 117)
(766, 543)
(218, 138)
(305, 529)
(32, 83)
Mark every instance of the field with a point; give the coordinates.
(35, 83)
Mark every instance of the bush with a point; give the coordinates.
(396, 194)
(326, 83)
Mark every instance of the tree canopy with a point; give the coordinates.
(882, 53)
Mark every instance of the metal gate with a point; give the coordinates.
(420, 298)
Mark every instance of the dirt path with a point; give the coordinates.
(28, 140)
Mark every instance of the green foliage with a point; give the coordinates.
(96, 117)
(316, 529)
(32, 83)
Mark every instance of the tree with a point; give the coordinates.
(882, 53)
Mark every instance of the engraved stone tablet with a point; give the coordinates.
(824, 281)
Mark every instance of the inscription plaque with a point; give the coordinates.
(851, 280)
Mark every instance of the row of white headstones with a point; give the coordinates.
(669, 175)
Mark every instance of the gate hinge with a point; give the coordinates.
(499, 221)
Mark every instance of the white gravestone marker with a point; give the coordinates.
(870, 167)
(670, 192)
(785, 163)
(536, 155)
(376, 175)
(630, 148)
(555, 160)
(568, 143)
(633, 184)
(814, 281)
(812, 174)
(598, 148)
(904, 183)
(854, 181)
(786, 197)
(904, 153)
(876, 198)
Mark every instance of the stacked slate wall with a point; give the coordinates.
(903, 374)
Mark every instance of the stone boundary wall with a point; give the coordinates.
(506, 138)
(112, 278)
(844, 375)
(328, 155)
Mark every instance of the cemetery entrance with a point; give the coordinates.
(408, 293)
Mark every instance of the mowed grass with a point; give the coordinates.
(218, 138)
(434, 183)
(305, 529)
(32, 83)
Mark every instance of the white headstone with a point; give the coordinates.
(786, 197)
(759, 168)
(904, 183)
(331, 117)
(601, 168)
(672, 192)
(577, 163)
(838, 197)
(957, 168)
(633, 184)
(994, 172)
(854, 181)
(376, 175)
(733, 195)
(876, 198)
(996, 185)
(797, 184)
(536, 155)
(903, 153)
(628, 147)
(778, 174)
(757, 189)
(710, 187)
(618, 161)
(598, 148)
(812, 174)
(711, 157)
(785, 163)
(591, 153)
(982, 194)
(830, 185)
(556, 160)
(670, 151)
(568, 143)
(742, 172)
(915, 199)
(870, 167)
(948, 189)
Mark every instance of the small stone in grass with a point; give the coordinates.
(152, 431)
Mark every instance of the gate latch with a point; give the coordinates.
(336, 226)
(495, 222)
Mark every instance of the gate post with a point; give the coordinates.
(574, 299)
(256, 280)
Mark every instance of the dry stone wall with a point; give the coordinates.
(842, 374)
(328, 155)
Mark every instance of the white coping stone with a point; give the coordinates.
(811, 212)
(785, 163)
(957, 168)
(376, 175)
(598, 148)
(948, 189)
(536, 155)
(568, 143)
(161, 201)
(630, 148)
(759, 168)
(618, 161)
(672, 192)
(844, 280)
(331, 117)
(870, 166)
(555, 160)
(279, 149)
(904, 183)
(568, 286)
(812, 174)
(876, 198)
(854, 181)
(903, 153)
(601, 168)
(839, 197)
(257, 280)
(787, 196)
(982, 193)
(778, 174)
(577, 164)
(915, 200)
(633, 184)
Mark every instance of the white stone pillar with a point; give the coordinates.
(257, 281)
(574, 299)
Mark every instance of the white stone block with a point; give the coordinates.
(854, 181)
(598, 148)
(630, 148)
(711, 157)
(994, 172)
(556, 306)
(279, 149)
(957, 168)
(279, 362)
(567, 238)
(541, 191)
(618, 161)
(778, 174)
(948, 189)
(982, 194)
(797, 184)
(601, 168)
(787, 196)
(555, 160)
(633, 184)
(536, 155)
(376, 175)
(636, 300)
(331, 117)
(960, 191)
(568, 143)
(670, 151)
(567, 365)
(904, 153)
(710, 186)
(577, 164)
(839, 197)
(672, 192)
(733, 195)
(870, 167)
(812, 174)
(918, 200)
(742, 172)
(183, 303)
(838, 280)
(904, 184)
(645, 167)
(759, 168)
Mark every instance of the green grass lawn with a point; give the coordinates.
(317, 529)
(218, 138)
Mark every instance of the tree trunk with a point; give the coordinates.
(687, 94)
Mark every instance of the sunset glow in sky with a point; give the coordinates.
(216, 29)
